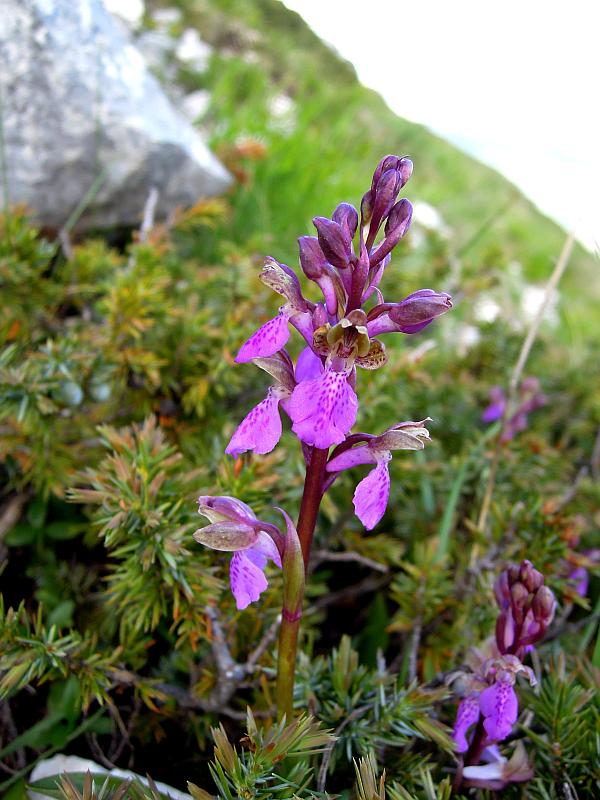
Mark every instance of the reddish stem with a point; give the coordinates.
(477, 745)
(311, 500)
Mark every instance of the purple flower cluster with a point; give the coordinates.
(526, 610)
(346, 260)
(319, 393)
(530, 399)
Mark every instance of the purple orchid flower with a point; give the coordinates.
(530, 399)
(235, 528)
(526, 610)
(261, 428)
(493, 698)
(372, 493)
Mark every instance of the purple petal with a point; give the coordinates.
(266, 547)
(467, 715)
(581, 579)
(260, 430)
(246, 577)
(372, 494)
(495, 410)
(500, 706)
(327, 286)
(267, 340)
(308, 366)
(352, 458)
(221, 507)
(303, 322)
(323, 409)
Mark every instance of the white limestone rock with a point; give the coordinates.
(80, 108)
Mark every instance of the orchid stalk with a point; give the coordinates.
(346, 260)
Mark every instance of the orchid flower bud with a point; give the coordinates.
(419, 309)
(386, 163)
(335, 242)
(402, 216)
(543, 605)
(386, 193)
(346, 216)
(530, 576)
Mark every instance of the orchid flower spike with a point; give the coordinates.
(235, 528)
(347, 268)
(372, 493)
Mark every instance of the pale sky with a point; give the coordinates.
(516, 84)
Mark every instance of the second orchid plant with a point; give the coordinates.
(346, 259)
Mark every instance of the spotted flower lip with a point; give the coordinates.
(493, 698)
(267, 340)
(323, 409)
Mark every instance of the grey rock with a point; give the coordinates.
(84, 120)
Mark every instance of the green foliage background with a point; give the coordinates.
(118, 393)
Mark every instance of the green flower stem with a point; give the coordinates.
(291, 614)
(295, 565)
(286, 665)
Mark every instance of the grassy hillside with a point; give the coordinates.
(267, 60)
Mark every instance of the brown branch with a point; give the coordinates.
(230, 673)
